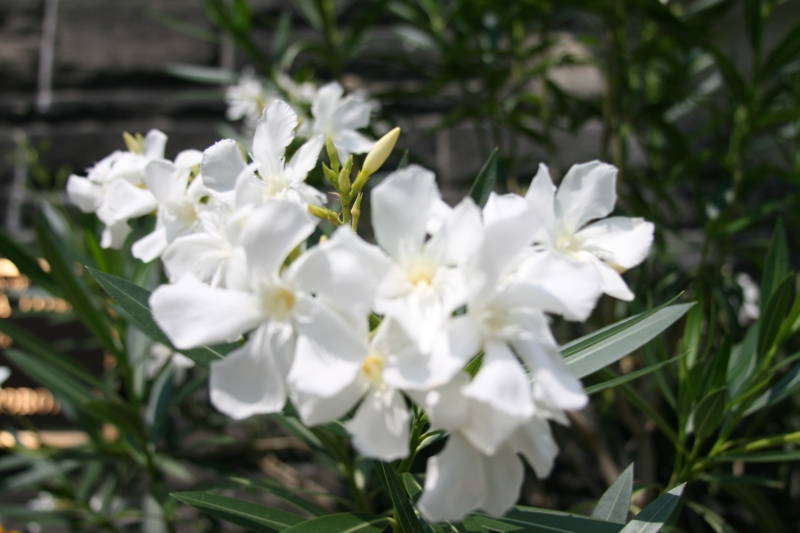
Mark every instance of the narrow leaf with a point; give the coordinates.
(709, 413)
(615, 503)
(784, 52)
(253, 516)
(713, 520)
(134, 300)
(773, 314)
(343, 523)
(788, 385)
(610, 384)
(633, 335)
(653, 517)
(523, 519)
(412, 484)
(403, 511)
(284, 493)
(776, 264)
(403, 161)
(742, 362)
(62, 386)
(486, 181)
(763, 457)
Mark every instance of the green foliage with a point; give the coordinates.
(616, 501)
(253, 516)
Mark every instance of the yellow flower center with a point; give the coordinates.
(279, 302)
(372, 367)
(421, 274)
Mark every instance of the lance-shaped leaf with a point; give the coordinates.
(529, 519)
(654, 516)
(610, 345)
(773, 314)
(616, 501)
(284, 493)
(776, 264)
(784, 388)
(343, 523)
(486, 181)
(403, 511)
(134, 300)
(611, 383)
(253, 516)
(709, 413)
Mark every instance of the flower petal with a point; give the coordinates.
(501, 382)
(193, 314)
(535, 442)
(315, 410)
(460, 234)
(454, 482)
(352, 142)
(380, 426)
(83, 193)
(586, 193)
(446, 406)
(151, 246)
(114, 235)
(304, 159)
(553, 384)
(199, 254)
(274, 132)
(504, 476)
(248, 381)
(326, 101)
(620, 241)
(154, 143)
(400, 208)
(611, 281)
(272, 231)
(187, 159)
(125, 200)
(352, 113)
(541, 197)
(222, 164)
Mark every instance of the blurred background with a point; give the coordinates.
(696, 102)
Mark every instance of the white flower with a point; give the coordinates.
(5, 372)
(339, 118)
(179, 205)
(463, 477)
(425, 283)
(232, 180)
(750, 307)
(247, 99)
(588, 192)
(280, 307)
(380, 426)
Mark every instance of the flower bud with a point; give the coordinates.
(333, 155)
(376, 157)
(344, 177)
(324, 213)
(330, 175)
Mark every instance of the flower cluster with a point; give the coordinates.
(442, 322)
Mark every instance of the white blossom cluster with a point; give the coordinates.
(462, 294)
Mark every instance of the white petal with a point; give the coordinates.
(557, 284)
(248, 381)
(439, 212)
(188, 158)
(272, 232)
(352, 113)
(487, 428)
(447, 407)
(83, 193)
(151, 246)
(274, 132)
(314, 410)
(125, 200)
(504, 476)
(454, 482)
(165, 181)
(154, 143)
(535, 442)
(554, 384)
(541, 197)
(344, 269)
(380, 426)
(200, 254)
(193, 314)
(222, 164)
(621, 241)
(612, 282)
(326, 101)
(400, 208)
(460, 234)
(352, 142)
(501, 382)
(114, 235)
(250, 189)
(304, 159)
(586, 193)
(329, 351)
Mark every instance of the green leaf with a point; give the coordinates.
(785, 51)
(610, 384)
(60, 384)
(403, 511)
(709, 413)
(530, 519)
(610, 345)
(763, 457)
(27, 264)
(413, 485)
(253, 516)
(788, 385)
(486, 181)
(343, 523)
(755, 25)
(742, 362)
(653, 517)
(118, 414)
(767, 518)
(62, 269)
(692, 333)
(403, 161)
(41, 350)
(615, 503)
(719, 365)
(134, 300)
(278, 489)
(309, 10)
(714, 520)
(776, 264)
(773, 314)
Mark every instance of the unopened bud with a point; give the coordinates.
(333, 155)
(344, 177)
(330, 175)
(376, 157)
(324, 214)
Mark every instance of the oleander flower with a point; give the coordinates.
(247, 99)
(339, 118)
(587, 193)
